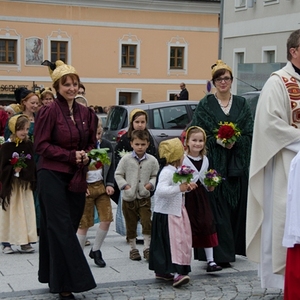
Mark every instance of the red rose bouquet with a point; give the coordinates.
(228, 132)
(184, 174)
(99, 157)
(18, 161)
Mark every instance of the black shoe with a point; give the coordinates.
(97, 256)
(224, 265)
(70, 296)
(213, 267)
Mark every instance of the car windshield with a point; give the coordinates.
(117, 118)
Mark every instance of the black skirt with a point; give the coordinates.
(160, 251)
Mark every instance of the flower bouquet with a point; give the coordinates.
(212, 178)
(228, 132)
(184, 174)
(99, 157)
(18, 161)
(123, 153)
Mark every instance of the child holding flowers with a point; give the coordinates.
(171, 237)
(197, 204)
(18, 180)
(100, 180)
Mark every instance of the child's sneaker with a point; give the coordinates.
(27, 248)
(166, 277)
(181, 280)
(7, 250)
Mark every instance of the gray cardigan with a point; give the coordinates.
(136, 174)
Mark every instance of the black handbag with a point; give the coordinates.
(235, 167)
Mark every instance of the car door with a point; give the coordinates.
(168, 122)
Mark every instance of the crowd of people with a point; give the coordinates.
(225, 192)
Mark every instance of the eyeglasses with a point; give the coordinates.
(225, 79)
(81, 93)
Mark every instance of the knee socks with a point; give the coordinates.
(100, 236)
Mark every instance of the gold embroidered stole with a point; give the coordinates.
(293, 91)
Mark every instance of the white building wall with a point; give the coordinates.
(254, 30)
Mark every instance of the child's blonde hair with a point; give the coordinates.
(189, 132)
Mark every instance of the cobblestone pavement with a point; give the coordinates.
(237, 286)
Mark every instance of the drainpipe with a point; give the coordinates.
(221, 29)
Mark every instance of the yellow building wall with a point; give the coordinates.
(94, 35)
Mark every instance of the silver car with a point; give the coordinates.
(166, 120)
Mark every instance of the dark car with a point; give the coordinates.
(166, 119)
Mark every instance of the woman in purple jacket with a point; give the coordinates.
(64, 132)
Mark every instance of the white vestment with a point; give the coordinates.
(276, 140)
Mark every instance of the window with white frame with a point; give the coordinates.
(240, 4)
(238, 58)
(59, 51)
(129, 58)
(59, 45)
(269, 54)
(177, 56)
(9, 49)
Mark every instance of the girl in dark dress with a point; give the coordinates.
(196, 202)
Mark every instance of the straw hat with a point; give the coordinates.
(218, 66)
(172, 150)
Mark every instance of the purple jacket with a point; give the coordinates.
(57, 138)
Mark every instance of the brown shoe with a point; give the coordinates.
(134, 254)
(146, 254)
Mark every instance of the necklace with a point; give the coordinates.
(225, 108)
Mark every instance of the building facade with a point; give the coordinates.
(124, 51)
(255, 32)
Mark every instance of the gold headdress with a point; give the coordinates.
(15, 107)
(133, 112)
(218, 66)
(58, 69)
(12, 122)
(193, 127)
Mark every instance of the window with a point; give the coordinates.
(59, 50)
(269, 54)
(171, 117)
(176, 57)
(8, 51)
(240, 3)
(128, 56)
